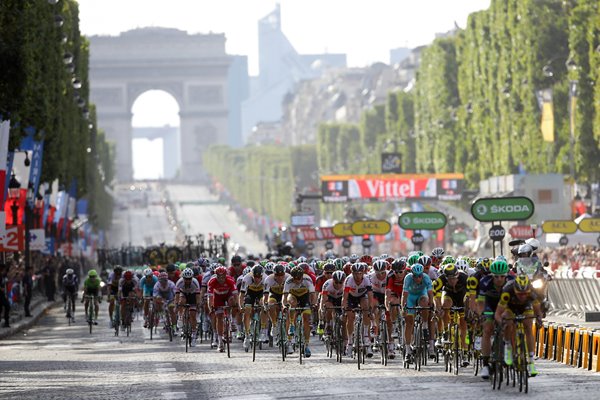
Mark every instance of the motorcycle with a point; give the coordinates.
(539, 277)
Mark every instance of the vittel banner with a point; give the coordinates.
(392, 187)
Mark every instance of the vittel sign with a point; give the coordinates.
(491, 209)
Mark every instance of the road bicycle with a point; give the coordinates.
(186, 330)
(255, 326)
(520, 365)
(281, 338)
(359, 351)
(299, 340)
(383, 339)
(420, 348)
(334, 342)
(452, 353)
(70, 309)
(497, 358)
(91, 299)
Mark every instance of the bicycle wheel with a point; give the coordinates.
(227, 335)
(338, 339)
(255, 324)
(300, 335)
(383, 342)
(168, 326)
(282, 338)
(417, 349)
(90, 314)
(522, 363)
(151, 321)
(456, 355)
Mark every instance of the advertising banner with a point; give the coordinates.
(391, 187)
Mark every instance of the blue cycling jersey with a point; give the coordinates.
(147, 285)
(414, 288)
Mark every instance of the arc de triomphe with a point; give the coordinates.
(192, 68)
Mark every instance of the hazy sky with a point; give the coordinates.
(365, 30)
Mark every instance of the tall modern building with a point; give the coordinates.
(238, 90)
(280, 69)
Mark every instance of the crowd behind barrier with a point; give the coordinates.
(19, 284)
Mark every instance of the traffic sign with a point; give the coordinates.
(346, 243)
(371, 227)
(559, 226)
(37, 239)
(563, 241)
(342, 229)
(417, 239)
(329, 245)
(497, 233)
(426, 220)
(367, 242)
(589, 225)
(490, 209)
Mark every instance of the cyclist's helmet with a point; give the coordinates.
(147, 272)
(353, 258)
(305, 267)
(181, 266)
(171, 268)
(339, 264)
(425, 261)
(399, 264)
(92, 273)
(163, 277)
(220, 270)
(70, 271)
(525, 250)
(534, 243)
(417, 269)
(486, 263)
(128, 275)
(367, 259)
(246, 270)
(438, 253)
(297, 272)
(268, 268)
(448, 260)
(380, 265)
(257, 270)
(118, 270)
(197, 270)
(501, 258)
(413, 259)
(279, 269)
(450, 270)
(462, 264)
(236, 259)
(330, 267)
(339, 276)
(499, 268)
(522, 283)
(187, 273)
(301, 259)
(360, 267)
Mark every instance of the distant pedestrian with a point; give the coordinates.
(50, 281)
(27, 287)
(4, 304)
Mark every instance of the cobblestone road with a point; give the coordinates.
(55, 361)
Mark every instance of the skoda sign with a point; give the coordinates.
(491, 209)
(429, 221)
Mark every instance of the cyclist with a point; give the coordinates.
(164, 293)
(113, 290)
(187, 291)
(378, 279)
(147, 287)
(70, 284)
(328, 270)
(274, 292)
(393, 295)
(450, 290)
(358, 293)
(91, 287)
(518, 297)
(221, 292)
(428, 268)
(251, 294)
(417, 290)
(128, 292)
(437, 255)
(299, 292)
(331, 296)
(490, 289)
(237, 266)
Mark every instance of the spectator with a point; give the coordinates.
(27, 286)
(50, 280)
(4, 304)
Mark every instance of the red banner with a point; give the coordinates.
(313, 234)
(343, 188)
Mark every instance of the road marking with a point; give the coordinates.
(174, 395)
(166, 370)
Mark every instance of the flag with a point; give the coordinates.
(547, 125)
(36, 167)
(4, 134)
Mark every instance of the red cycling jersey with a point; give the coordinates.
(319, 283)
(221, 291)
(394, 284)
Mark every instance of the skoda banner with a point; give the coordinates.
(430, 221)
(491, 209)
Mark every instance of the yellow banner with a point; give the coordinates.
(591, 225)
(371, 227)
(548, 122)
(558, 226)
(342, 229)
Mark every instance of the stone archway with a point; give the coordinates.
(191, 68)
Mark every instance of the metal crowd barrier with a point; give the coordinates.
(575, 294)
(569, 345)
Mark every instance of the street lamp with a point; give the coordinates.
(14, 191)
